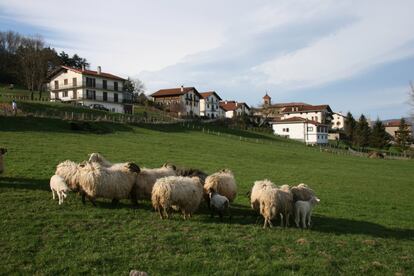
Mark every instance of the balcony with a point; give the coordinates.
(71, 86)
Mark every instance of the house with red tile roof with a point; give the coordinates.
(233, 108)
(184, 101)
(301, 129)
(209, 104)
(392, 127)
(88, 88)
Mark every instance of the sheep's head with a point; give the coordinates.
(134, 168)
(170, 166)
(95, 157)
(3, 151)
(314, 200)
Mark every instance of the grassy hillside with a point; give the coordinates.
(363, 225)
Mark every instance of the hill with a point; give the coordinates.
(362, 226)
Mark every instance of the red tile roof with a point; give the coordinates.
(296, 120)
(228, 105)
(209, 93)
(306, 108)
(394, 123)
(281, 105)
(170, 92)
(93, 73)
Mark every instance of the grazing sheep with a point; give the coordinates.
(303, 211)
(2, 152)
(285, 204)
(147, 178)
(190, 172)
(97, 181)
(69, 171)
(274, 202)
(219, 204)
(222, 182)
(302, 192)
(259, 187)
(58, 186)
(184, 193)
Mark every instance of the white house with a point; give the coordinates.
(185, 101)
(209, 104)
(87, 87)
(233, 108)
(300, 129)
(318, 113)
(338, 121)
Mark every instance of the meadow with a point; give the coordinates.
(363, 225)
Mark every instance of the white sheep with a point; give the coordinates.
(147, 178)
(303, 211)
(58, 186)
(69, 171)
(97, 181)
(182, 193)
(258, 188)
(276, 202)
(222, 182)
(2, 152)
(302, 192)
(219, 204)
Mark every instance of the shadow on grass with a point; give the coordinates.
(24, 183)
(56, 125)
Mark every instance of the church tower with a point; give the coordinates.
(267, 100)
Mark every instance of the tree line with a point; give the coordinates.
(359, 134)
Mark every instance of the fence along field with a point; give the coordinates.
(362, 226)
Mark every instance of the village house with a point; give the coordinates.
(392, 127)
(338, 121)
(209, 105)
(233, 109)
(184, 101)
(301, 129)
(88, 88)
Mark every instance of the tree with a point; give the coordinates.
(403, 136)
(362, 132)
(129, 85)
(74, 61)
(379, 137)
(349, 127)
(412, 100)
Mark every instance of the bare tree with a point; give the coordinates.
(412, 100)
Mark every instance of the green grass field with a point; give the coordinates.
(364, 224)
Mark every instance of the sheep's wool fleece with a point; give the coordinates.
(258, 189)
(147, 178)
(69, 170)
(223, 183)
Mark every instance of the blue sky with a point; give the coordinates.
(357, 56)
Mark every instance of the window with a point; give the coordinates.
(105, 96)
(310, 128)
(56, 84)
(316, 118)
(65, 81)
(74, 81)
(64, 94)
(287, 130)
(115, 85)
(115, 97)
(90, 94)
(104, 84)
(90, 82)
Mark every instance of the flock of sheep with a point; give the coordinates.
(179, 189)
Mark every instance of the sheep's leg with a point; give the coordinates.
(53, 194)
(265, 223)
(297, 220)
(83, 197)
(60, 197)
(287, 220)
(303, 221)
(134, 198)
(160, 213)
(270, 223)
(91, 199)
(309, 219)
(281, 220)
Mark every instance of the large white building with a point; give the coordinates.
(300, 129)
(184, 101)
(87, 87)
(209, 105)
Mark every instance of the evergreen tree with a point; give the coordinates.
(379, 137)
(403, 136)
(362, 132)
(349, 127)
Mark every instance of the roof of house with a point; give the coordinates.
(170, 92)
(229, 105)
(245, 104)
(306, 108)
(209, 93)
(394, 123)
(86, 72)
(281, 105)
(294, 120)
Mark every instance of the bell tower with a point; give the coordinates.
(267, 100)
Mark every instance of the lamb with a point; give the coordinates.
(274, 202)
(147, 178)
(258, 189)
(302, 192)
(2, 152)
(303, 211)
(58, 186)
(97, 181)
(184, 193)
(69, 171)
(219, 203)
(222, 182)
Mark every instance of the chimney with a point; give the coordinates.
(98, 70)
(182, 88)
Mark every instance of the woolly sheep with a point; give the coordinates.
(222, 182)
(147, 178)
(58, 186)
(98, 158)
(302, 192)
(190, 172)
(274, 202)
(185, 193)
(219, 204)
(303, 211)
(2, 152)
(258, 188)
(97, 181)
(69, 171)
